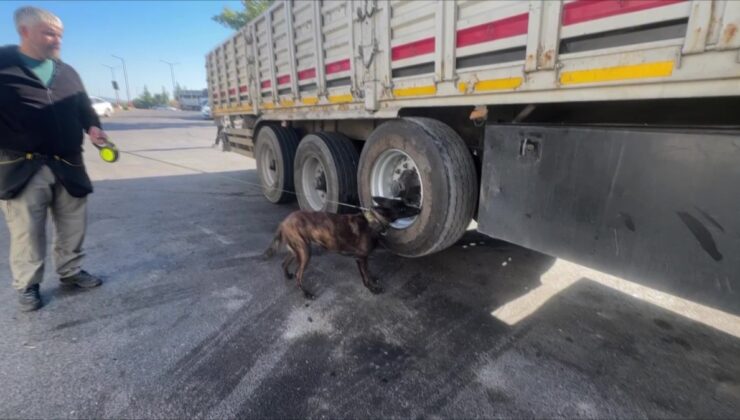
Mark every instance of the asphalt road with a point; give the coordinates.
(190, 324)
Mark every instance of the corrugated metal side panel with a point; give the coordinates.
(335, 29)
(729, 36)
(216, 90)
(427, 53)
(486, 26)
(305, 44)
(240, 65)
(472, 12)
(263, 56)
(582, 18)
(715, 24)
(280, 41)
(222, 75)
(412, 28)
(232, 82)
(209, 77)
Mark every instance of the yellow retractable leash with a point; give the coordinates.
(108, 152)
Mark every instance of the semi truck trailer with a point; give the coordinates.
(605, 132)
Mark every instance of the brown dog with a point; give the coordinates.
(354, 235)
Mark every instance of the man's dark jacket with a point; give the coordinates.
(42, 126)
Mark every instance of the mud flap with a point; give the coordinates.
(659, 207)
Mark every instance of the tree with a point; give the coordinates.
(165, 97)
(161, 98)
(178, 90)
(146, 95)
(236, 19)
(145, 100)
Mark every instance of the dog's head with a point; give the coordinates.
(392, 209)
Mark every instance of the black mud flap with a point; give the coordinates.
(658, 207)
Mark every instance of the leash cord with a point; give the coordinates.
(250, 184)
(8, 162)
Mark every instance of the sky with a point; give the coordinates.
(142, 32)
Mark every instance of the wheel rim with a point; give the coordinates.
(268, 167)
(313, 181)
(396, 175)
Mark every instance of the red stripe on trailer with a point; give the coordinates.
(585, 10)
(412, 49)
(307, 74)
(491, 31)
(232, 91)
(242, 89)
(337, 66)
(283, 79)
(266, 84)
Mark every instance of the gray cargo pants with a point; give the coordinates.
(25, 215)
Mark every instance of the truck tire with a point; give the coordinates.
(274, 152)
(426, 163)
(326, 173)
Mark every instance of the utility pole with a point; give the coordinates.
(125, 78)
(172, 73)
(115, 84)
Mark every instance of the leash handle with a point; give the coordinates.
(108, 152)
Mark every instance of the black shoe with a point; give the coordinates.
(82, 279)
(29, 299)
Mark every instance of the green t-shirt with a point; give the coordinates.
(43, 69)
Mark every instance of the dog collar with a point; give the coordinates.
(372, 218)
(369, 216)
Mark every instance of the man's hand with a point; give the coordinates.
(97, 136)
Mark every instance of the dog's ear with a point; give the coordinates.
(412, 210)
(383, 202)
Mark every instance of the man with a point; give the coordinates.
(44, 110)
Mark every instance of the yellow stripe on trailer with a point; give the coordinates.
(492, 84)
(338, 99)
(310, 100)
(268, 105)
(286, 102)
(416, 91)
(610, 74)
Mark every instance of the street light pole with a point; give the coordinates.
(125, 78)
(172, 73)
(115, 87)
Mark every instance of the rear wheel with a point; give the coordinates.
(426, 163)
(274, 152)
(326, 173)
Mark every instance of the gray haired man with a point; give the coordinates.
(44, 111)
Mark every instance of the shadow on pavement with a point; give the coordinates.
(191, 323)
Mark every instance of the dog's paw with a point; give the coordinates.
(288, 276)
(376, 289)
(308, 295)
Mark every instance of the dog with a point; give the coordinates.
(354, 235)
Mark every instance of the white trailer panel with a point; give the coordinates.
(337, 59)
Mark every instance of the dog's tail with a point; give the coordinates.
(275, 245)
